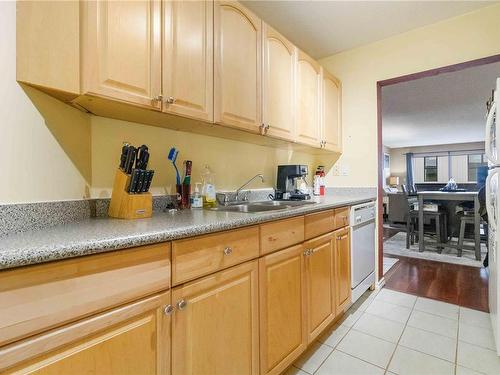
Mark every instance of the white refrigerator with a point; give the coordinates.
(492, 150)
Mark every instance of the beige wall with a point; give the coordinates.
(398, 157)
(468, 37)
(45, 152)
(232, 162)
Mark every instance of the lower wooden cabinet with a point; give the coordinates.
(343, 267)
(215, 324)
(283, 331)
(257, 317)
(133, 339)
(320, 284)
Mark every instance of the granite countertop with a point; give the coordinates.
(98, 235)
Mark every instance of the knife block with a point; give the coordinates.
(128, 206)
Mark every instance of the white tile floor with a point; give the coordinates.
(395, 333)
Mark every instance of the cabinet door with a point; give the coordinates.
(331, 121)
(215, 326)
(343, 267)
(308, 94)
(188, 58)
(320, 283)
(133, 339)
(282, 300)
(279, 84)
(122, 50)
(238, 66)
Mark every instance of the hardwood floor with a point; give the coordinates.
(462, 285)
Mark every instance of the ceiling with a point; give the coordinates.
(323, 28)
(444, 109)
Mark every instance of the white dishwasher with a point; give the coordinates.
(362, 248)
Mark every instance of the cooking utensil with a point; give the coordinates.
(188, 164)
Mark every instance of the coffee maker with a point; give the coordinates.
(286, 181)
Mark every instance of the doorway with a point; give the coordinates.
(439, 274)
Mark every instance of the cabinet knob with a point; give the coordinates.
(158, 98)
(168, 310)
(181, 305)
(228, 251)
(308, 252)
(170, 100)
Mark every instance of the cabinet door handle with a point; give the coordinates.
(157, 98)
(170, 100)
(308, 252)
(228, 251)
(181, 305)
(168, 310)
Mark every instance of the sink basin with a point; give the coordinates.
(253, 207)
(283, 203)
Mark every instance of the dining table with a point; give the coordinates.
(463, 196)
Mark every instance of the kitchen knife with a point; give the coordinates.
(130, 160)
(142, 157)
(149, 179)
(133, 181)
(140, 180)
(123, 156)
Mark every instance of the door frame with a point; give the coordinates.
(380, 148)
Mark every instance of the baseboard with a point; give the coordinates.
(380, 284)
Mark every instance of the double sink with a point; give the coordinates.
(263, 206)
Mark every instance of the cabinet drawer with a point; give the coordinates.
(130, 339)
(319, 223)
(341, 217)
(195, 257)
(37, 298)
(280, 234)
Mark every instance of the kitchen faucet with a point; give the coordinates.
(223, 198)
(247, 183)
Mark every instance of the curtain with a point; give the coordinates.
(409, 170)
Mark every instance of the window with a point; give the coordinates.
(474, 161)
(430, 169)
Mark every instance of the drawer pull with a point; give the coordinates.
(169, 309)
(181, 305)
(228, 251)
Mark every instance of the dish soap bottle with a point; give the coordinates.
(196, 198)
(208, 190)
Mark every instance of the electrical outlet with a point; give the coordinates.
(336, 169)
(344, 170)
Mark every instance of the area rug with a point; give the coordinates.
(396, 245)
(389, 263)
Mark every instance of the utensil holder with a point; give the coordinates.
(128, 206)
(183, 194)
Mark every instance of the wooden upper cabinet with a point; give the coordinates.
(282, 309)
(280, 58)
(331, 119)
(308, 100)
(342, 268)
(238, 66)
(132, 339)
(48, 46)
(122, 50)
(320, 282)
(215, 327)
(188, 58)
